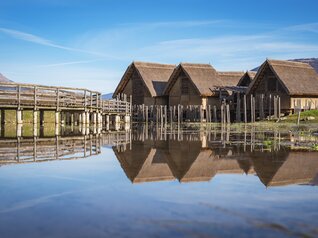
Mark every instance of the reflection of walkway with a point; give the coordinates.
(26, 150)
(53, 143)
(187, 161)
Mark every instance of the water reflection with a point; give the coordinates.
(150, 154)
(31, 143)
(199, 155)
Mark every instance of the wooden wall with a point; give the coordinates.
(304, 102)
(184, 92)
(138, 90)
(270, 85)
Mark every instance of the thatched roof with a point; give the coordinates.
(247, 78)
(298, 79)
(204, 78)
(4, 79)
(230, 78)
(155, 76)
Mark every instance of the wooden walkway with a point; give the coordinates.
(83, 105)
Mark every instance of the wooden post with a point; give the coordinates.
(91, 98)
(147, 113)
(222, 113)
(166, 116)
(178, 113)
(252, 114)
(19, 96)
(35, 98)
(261, 106)
(275, 107)
(19, 117)
(143, 112)
(57, 99)
(35, 117)
(130, 102)
(245, 108)
(171, 119)
(254, 110)
(228, 115)
(85, 100)
(57, 117)
(215, 114)
(238, 108)
(270, 107)
(279, 108)
(298, 118)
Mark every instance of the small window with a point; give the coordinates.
(184, 86)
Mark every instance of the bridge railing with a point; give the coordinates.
(39, 96)
(116, 106)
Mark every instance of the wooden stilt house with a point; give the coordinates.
(197, 84)
(295, 83)
(145, 82)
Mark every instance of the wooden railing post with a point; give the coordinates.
(57, 99)
(85, 99)
(35, 98)
(91, 97)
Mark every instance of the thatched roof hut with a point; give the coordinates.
(295, 78)
(246, 79)
(202, 77)
(143, 79)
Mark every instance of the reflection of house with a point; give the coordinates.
(283, 168)
(144, 163)
(229, 166)
(296, 83)
(145, 82)
(187, 161)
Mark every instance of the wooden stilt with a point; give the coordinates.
(245, 109)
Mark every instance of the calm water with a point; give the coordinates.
(217, 182)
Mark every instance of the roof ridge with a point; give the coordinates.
(152, 64)
(288, 63)
(230, 72)
(196, 65)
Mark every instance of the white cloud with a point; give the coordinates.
(310, 27)
(175, 24)
(70, 63)
(42, 41)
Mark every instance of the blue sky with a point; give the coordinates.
(91, 43)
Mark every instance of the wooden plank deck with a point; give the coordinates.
(40, 97)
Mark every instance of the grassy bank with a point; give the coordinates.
(304, 116)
